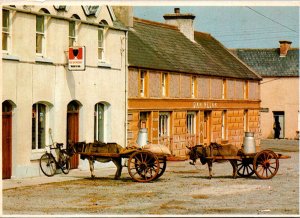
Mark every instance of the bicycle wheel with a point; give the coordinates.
(64, 162)
(47, 164)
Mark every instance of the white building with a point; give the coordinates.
(40, 93)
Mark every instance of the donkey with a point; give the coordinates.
(214, 149)
(98, 147)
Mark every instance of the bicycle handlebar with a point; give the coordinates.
(55, 146)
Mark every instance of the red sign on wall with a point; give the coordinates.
(76, 58)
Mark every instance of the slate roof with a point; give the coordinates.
(268, 63)
(160, 46)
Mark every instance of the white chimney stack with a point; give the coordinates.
(184, 22)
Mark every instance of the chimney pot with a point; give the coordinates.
(284, 47)
(177, 10)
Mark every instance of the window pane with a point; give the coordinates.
(39, 43)
(99, 122)
(72, 28)
(33, 126)
(6, 107)
(40, 24)
(5, 20)
(163, 125)
(71, 42)
(4, 41)
(100, 37)
(41, 126)
(100, 53)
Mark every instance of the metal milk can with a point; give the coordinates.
(142, 137)
(249, 146)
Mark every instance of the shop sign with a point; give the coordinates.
(76, 58)
(204, 104)
(264, 109)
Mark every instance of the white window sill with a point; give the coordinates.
(10, 57)
(104, 64)
(35, 155)
(43, 60)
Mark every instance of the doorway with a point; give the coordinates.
(6, 140)
(73, 129)
(279, 117)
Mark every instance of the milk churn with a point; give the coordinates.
(249, 146)
(142, 137)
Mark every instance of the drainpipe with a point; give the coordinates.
(126, 88)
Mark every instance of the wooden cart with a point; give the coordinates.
(143, 165)
(264, 164)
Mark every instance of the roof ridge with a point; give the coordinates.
(154, 23)
(260, 49)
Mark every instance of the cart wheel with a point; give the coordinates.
(245, 167)
(162, 167)
(266, 164)
(143, 166)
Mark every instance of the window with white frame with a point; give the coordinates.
(72, 33)
(164, 124)
(190, 123)
(39, 125)
(223, 129)
(224, 89)
(164, 84)
(40, 34)
(6, 30)
(100, 44)
(142, 85)
(99, 122)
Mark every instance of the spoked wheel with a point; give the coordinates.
(47, 164)
(162, 167)
(143, 166)
(64, 162)
(245, 167)
(266, 164)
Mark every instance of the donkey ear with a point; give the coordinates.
(188, 147)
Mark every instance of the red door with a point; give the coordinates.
(73, 129)
(6, 141)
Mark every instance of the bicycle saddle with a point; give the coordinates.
(59, 145)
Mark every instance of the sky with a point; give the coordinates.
(238, 26)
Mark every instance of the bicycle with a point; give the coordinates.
(48, 163)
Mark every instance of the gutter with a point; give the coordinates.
(63, 18)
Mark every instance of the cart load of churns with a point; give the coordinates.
(245, 161)
(147, 162)
(144, 164)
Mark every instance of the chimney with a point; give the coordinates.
(124, 14)
(284, 47)
(184, 22)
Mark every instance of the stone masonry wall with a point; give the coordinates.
(179, 133)
(235, 124)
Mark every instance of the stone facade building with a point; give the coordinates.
(186, 88)
(42, 99)
(279, 68)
